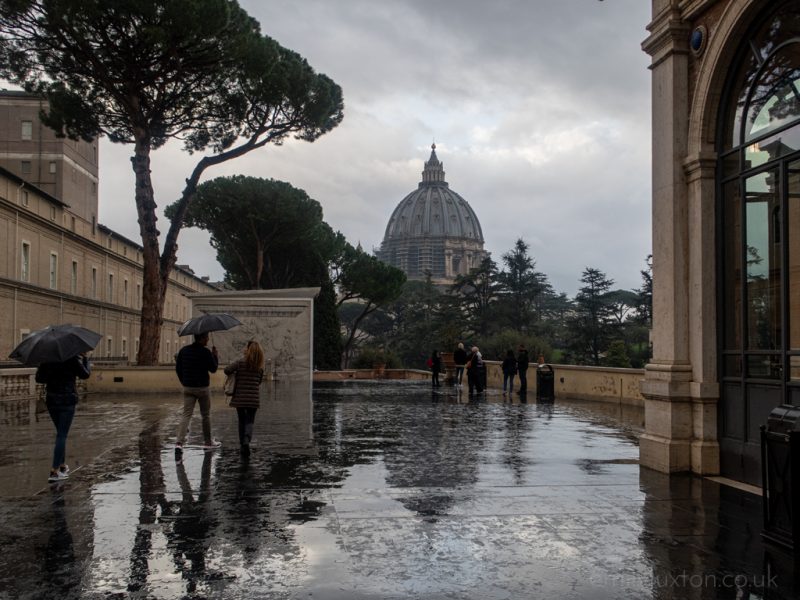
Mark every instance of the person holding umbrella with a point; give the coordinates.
(193, 365)
(60, 353)
(61, 397)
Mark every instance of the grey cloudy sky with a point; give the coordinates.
(540, 110)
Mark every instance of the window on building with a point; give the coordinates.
(53, 271)
(94, 225)
(125, 293)
(94, 188)
(73, 280)
(136, 347)
(25, 267)
(24, 200)
(25, 165)
(94, 282)
(111, 287)
(109, 345)
(124, 347)
(27, 130)
(52, 166)
(52, 213)
(73, 223)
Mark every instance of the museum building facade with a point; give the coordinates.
(726, 231)
(57, 263)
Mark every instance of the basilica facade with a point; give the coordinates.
(433, 231)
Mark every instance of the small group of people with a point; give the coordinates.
(193, 365)
(516, 365)
(472, 363)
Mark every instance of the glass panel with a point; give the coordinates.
(730, 164)
(793, 192)
(776, 96)
(781, 27)
(775, 146)
(732, 276)
(764, 366)
(733, 365)
(763, 256)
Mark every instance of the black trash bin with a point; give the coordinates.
(780, 458)
(545, 383)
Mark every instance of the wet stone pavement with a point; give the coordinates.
(375, 490)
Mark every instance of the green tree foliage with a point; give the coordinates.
(523, 290)
(144, 72)
(644, 304)
(366, 284)
(617, 355)
(590, 326)
(267, 233)
(478, 292)
(327, 329)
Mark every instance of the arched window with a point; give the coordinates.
(759, 235)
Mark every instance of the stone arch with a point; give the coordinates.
(723, 44)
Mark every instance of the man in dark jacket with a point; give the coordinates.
(193, 364)
(522, 368)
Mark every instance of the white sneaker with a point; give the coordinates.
(58, 476)
(212, 445)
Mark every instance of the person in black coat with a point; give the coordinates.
(509, 370)
(61, 397)
(475, 371)
(193, 365)
(522, 368)
(460, 359)
(436, 368)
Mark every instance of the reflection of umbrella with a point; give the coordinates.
(209, 322)
(55, 344)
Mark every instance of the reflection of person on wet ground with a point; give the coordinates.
(191, 525)
(249, 371)
(61, 574)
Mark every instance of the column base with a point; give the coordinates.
(705, 458)
(665, 455)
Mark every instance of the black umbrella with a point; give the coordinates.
(209, 322)
(56, 343)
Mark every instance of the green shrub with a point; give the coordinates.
(371, 358)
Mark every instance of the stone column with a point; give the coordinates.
(666, 444)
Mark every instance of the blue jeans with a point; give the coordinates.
(508, 380)
(61, 414)
(459, 373)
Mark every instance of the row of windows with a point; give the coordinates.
(171, 310)
(26, 134)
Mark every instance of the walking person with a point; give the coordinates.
(193, 365)
(436, 368)
(61, 396)
(249, 371)
(522, 368)
(460, 359)
(509, 370)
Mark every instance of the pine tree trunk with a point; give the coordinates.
(152, 290)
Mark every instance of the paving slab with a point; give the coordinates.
(370, 490)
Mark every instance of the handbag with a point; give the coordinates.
(230, 385)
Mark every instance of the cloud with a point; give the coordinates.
(540, 111)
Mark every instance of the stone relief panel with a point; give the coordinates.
(283, 327)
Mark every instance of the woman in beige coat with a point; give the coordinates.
(249, 371)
